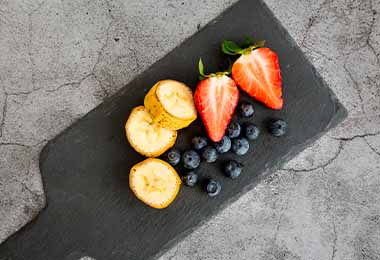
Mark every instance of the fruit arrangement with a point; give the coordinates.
(171, 105)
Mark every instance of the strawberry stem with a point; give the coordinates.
(202, 75)
(231, 48)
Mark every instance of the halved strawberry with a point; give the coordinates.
(257, 72)
(215, 98)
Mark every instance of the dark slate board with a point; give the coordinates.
(91, 210)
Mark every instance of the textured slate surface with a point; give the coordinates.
(91, 210)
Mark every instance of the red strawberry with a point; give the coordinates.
(257, 72)
(216, 97)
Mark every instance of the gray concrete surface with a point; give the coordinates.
(60, 59)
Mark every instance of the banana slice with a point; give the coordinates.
(145, 136)
(154, 182)
(171, 104)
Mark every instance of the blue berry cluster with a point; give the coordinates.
(236, 140)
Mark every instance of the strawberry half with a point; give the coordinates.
(257, 72)
(216, 98)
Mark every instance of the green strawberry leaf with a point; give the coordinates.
(230, 45)
(229, 69)
(202, 74)
(248, 41)
(231, 48)
(201, 69)
(227, 51)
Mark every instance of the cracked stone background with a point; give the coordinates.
(60, 59)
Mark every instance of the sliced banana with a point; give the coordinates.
(147, 137)
(176, 98)
(171, 103)
(154, 182)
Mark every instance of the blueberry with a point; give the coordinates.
(213, 188)
(233, 169)
(199, 142)
(190, 179)
(240, 146)
(191, 159)
(223, 145)
(246, 109)
(277, 127)
(252, 132)
(233, 129)
(209, 154)
(173, 156)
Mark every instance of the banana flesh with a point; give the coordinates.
(145, 136)
(154, 182)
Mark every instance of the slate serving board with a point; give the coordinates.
(91, 210)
